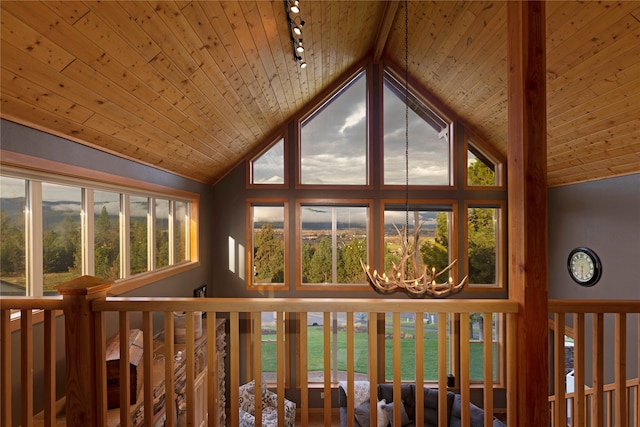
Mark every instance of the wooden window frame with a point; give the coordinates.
(368, 203)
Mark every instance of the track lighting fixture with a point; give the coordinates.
(295, 30)
(296, 25)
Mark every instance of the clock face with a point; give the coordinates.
(584, 266)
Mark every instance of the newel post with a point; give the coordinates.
(80, 348)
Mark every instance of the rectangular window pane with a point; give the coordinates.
(13, 280)
(433, 239)
(62, 252)
(162, 232)
(106, 211)
(180, 231)
(268, 245)
(139, 211)
(482, 246)
(334, 240)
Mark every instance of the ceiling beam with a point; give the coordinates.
(384, 29)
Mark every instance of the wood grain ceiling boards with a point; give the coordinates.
(193, 86)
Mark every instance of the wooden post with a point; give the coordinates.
(80, 348)
(527, 194)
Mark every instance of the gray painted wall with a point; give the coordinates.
(604, 216)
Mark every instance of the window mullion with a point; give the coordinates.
(334, 246)
(87, 232)
(34, 238)
(125, 233)
(151, 230)
(171, 225)
(187, 232)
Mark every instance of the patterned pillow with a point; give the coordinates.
(247, 396)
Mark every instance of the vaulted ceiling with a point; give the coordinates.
(193, 86)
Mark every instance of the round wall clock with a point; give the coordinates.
(584, 266)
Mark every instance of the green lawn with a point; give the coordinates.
(407, 352)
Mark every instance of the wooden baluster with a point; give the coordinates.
(280, 369)
(190, 368)
(257, 365)
(304, 369)
(327, 369)
(579, 412)
(26, 366)
(419, 340)
(49, 367)
(397, 367)
(559, 374)
(234, 367)
(169, 369)
(443, 416)
(350, 368)
(212, 370)
(373, 367)
(597, 401)
(125, 375)
(621, 369)
(488, 368)
(147, 354)
(101, 368)
(465, 399)
(512, 370)
(5, 368)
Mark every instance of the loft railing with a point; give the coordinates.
(594, 402)
(87, 310)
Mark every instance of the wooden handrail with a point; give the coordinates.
(610, 398)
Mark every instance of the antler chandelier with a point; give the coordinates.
(408, 275)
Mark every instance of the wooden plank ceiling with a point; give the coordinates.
(193, 86)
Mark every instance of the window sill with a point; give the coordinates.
(143, 279)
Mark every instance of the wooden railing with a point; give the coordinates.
(26, 306)
(235, 308)
(87, 310)
(593, 402)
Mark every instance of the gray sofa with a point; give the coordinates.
(430, 405)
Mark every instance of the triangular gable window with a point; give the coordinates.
(481, 171)
(333, 141)
(268, 167)
(429, 160)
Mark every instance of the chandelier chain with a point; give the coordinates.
(406, 115)
(409, 275)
